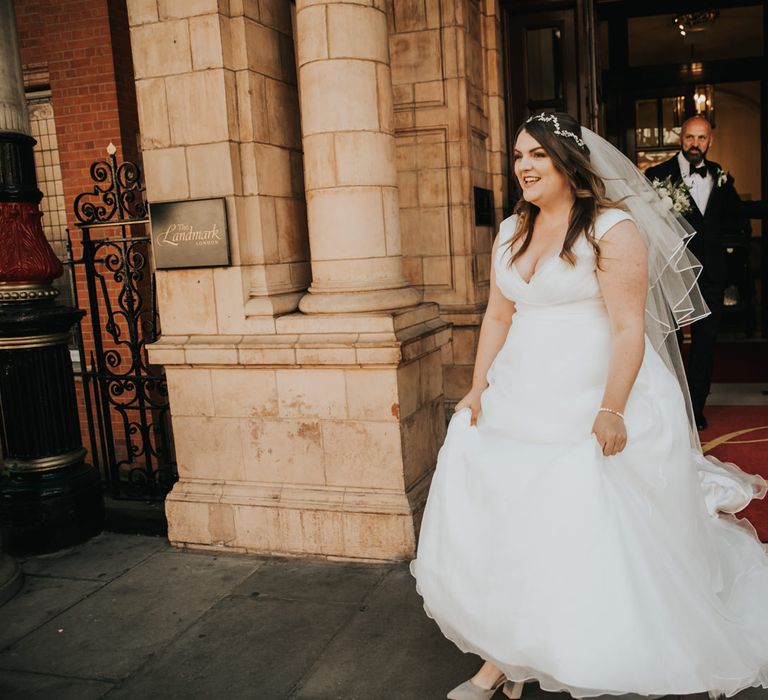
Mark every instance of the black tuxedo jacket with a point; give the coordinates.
(722, 218)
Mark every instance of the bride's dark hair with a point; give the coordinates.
(570, 156)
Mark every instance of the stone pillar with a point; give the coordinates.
(349, 158)
(311, 432)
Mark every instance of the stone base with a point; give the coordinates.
(283, 520)
(47, 511)
(318, 441)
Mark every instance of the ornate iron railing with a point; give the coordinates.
(125, 398)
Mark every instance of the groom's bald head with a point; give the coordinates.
(695, 138)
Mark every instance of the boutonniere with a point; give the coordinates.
(673, 195)
(721, 177)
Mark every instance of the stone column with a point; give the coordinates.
(345, 91)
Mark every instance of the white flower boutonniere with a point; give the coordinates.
(721, 177)
(673, 195)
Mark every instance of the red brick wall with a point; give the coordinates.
(86, 46)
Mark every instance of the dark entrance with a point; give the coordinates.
(627, 70)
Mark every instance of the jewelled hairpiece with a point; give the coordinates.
(544, 117)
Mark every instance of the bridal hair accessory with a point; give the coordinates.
(545, 117)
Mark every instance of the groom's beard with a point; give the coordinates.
(694, 155)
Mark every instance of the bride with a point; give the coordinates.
(574, 533)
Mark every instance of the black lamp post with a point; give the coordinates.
(50, 497)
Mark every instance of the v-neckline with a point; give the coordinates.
(540, 263)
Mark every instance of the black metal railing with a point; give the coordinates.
(124, 397)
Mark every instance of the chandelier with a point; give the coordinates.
(695, 21)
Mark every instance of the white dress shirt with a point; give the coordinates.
(699, 187)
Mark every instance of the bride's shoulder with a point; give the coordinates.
(607, 218)
(507, 229)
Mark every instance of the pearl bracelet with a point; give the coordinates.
(610, 410)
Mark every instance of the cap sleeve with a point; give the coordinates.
(607, 219)
(507, 228)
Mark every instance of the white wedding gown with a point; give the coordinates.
(594, 575)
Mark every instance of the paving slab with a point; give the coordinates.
(40, 600)
(103, 558)
(314, 579)
(15, 685)
(119, 627)
(390, 649)
(249, 648)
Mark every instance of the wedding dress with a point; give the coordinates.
(592, 574)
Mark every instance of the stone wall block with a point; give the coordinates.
(173, 9)
(356, 31)
(391, 203)
(256, 218)
(208, 446)
(190, 392)
(312, 393)
(386, 99)
(221, 524)
(437, 270)
(186, 301)
(277, 15)
(375, 536)
(291, 215)
(205, 39)
(165, 172)
(363, 454)
(283, 451)
(263, 50)
(355, 235)
(365, 158)
(197, 107)
(141, 11)
(258, 529)
(353, 85)
(244, 393)
(212, 168)
(416, 57)
(153, 113)
(348, 274)
(161, 49)
(266, 170)
(283, 114)
(252, 106)
(313, 44)
(187, 521)
(233, 114)
(372, 394)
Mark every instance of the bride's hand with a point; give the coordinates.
(610, 432)
(472, 402)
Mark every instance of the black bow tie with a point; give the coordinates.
(701, 170)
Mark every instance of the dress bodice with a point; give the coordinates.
(555, 280)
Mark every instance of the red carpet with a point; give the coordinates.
(739, 434)
(739, 361)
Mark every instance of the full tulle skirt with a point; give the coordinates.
(594, 575)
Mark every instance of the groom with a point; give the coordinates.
(713, 212)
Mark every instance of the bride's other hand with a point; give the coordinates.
(472, 402)
(610, 432)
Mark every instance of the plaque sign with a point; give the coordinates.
(192, 233)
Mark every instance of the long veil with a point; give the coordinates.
(674, 300)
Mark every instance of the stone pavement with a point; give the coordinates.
(127, 616)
